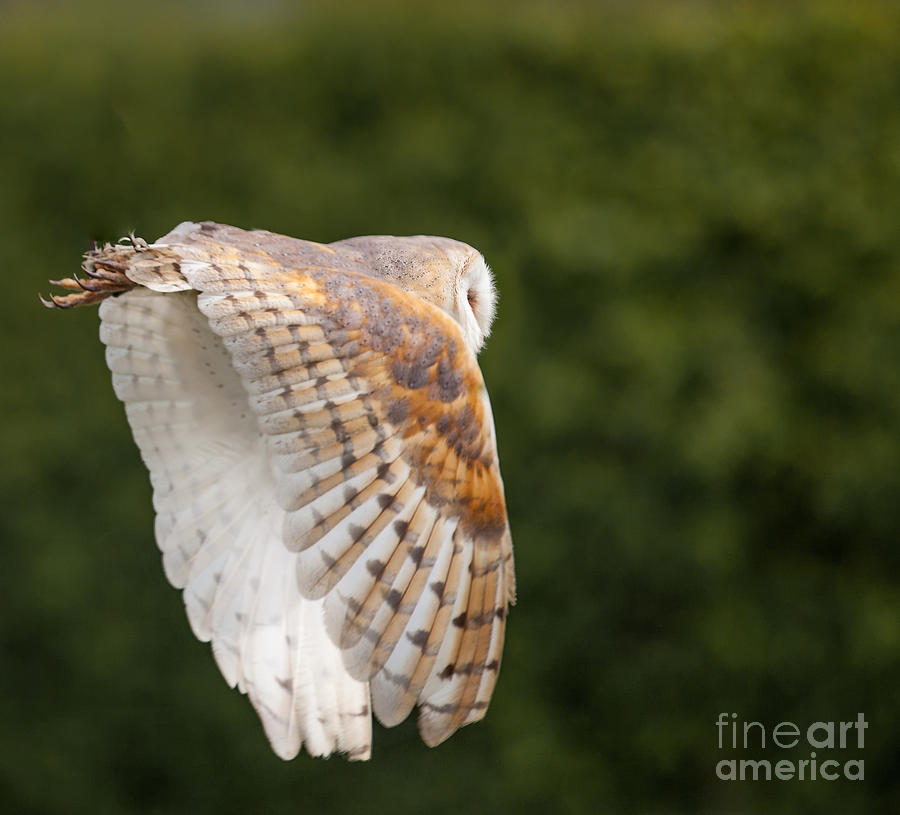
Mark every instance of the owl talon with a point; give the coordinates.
(103, 284)
(106, 277)
(84, 298)
(68, 283)
(56, 301)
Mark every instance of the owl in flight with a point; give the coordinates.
(324, 467)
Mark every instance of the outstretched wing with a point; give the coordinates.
(219, 527)
(380, 431)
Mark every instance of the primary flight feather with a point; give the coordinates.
(324, 467)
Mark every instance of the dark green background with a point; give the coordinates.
(692, 213)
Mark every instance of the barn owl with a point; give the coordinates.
(324, 467)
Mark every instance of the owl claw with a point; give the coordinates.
(55, 301)
(99, 284)
(105, 269)
(67, 283)
(84, 298)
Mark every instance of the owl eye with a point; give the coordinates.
(472, 297)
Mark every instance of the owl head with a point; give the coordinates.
(447, 273)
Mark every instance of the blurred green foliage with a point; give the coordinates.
(692, 213)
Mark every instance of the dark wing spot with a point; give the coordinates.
(398, 411)
(410, 375)
(449, 381)
(419, 639)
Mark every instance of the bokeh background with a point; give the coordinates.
(692, 212)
